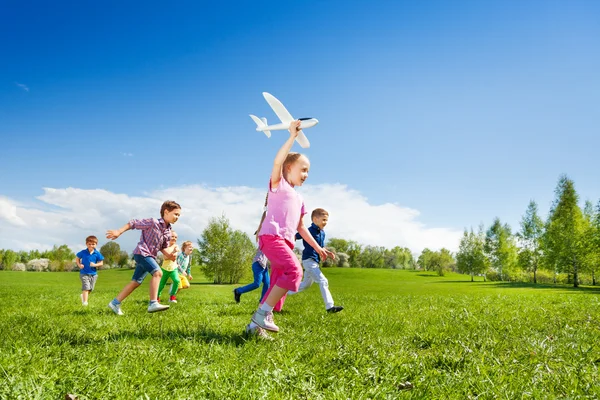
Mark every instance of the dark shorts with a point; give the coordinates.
(143, 267)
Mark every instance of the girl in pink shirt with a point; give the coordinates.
(283, 219)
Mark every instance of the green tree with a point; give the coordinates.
(9, 259)
(564, 231)
(111, 251)
(123, 259)
(470, 258)
(595, 245)
(530, 238)
(399, 257)
(500, 248)
(349, 247)
(591, 248)
(59, 253)
(225, 253)
(34, 254)
(372, 257)
(442, 261)
(425, 260)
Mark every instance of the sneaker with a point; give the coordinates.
(259, 332)
(116, 309)
(155, 307)
(335, 309)
(172, 299)
(264, 319)
(84, 303)
(236, 295)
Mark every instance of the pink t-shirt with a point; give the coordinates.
(285, 207)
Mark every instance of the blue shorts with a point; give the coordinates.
(143, 267)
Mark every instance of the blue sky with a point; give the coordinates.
(451, 112)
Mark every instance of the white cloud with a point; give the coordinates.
(67, 216)
(24, 87)
(127, 154)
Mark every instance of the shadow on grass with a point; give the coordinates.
(527, 285)
(198, 335)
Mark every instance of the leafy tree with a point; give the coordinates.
(349, 247)
(111, 252)
(425, 260)
(341, 245)
(225, 253)
(372, 257)
(442, 261)
(59, 253)
(590, 242)
(34, 254)
(470, 258)
(399, 257)
(9, 259)
(595, 242)
(564, 231)
(500, 248)
(530, 238)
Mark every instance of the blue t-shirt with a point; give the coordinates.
(308, 251)
(87, 258)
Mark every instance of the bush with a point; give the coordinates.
(18, 267)
(343, 260)
(38, 265)
(492, 276)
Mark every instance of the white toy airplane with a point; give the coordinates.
(286, 118)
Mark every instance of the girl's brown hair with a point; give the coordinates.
(185, 245)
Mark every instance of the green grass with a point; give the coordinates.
(447, 336)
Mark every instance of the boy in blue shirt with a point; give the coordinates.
(311, 259)
(87, 261)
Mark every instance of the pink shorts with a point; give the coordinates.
(286, 271)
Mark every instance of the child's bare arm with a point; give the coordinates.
(113, 234)
(169, 253)
(282, 154)
(79, 264)
(98, 264)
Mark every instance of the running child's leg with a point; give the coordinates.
(175, 286)
(321, 280)
(163, 281)
(286, 274)
(265, 283)
(257, 270)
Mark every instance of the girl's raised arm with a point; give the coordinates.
(282, 154)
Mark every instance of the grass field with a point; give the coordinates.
(448, 337)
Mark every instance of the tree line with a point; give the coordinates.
(567, 243)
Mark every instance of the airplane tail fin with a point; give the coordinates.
(261, 123)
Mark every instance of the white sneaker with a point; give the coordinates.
(259, 332)
(173, 301)
(84, 303)
(264, 319)
(156, 307)
(116, 309)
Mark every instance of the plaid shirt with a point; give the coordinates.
(260, 258)
(156, 235)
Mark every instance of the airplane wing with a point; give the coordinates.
(283, 114)
(303, 140)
